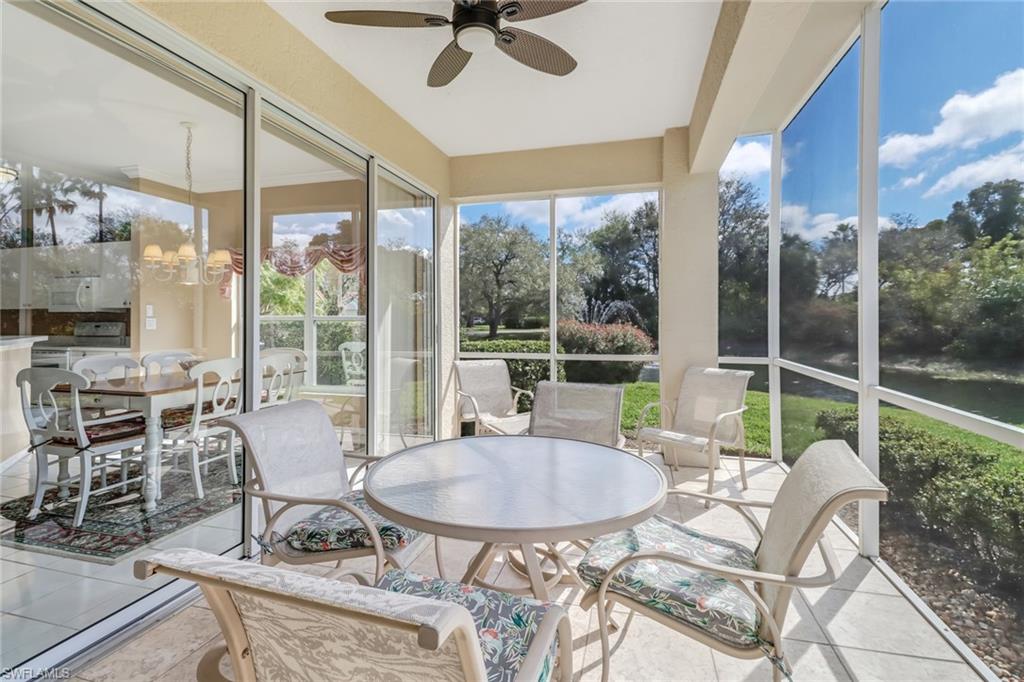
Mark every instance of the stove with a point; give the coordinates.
(62, 352)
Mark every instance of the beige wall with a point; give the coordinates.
(14, 436)
(556, 169)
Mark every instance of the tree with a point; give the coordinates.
(502, 267)
(742, 263)
(837, 261)
(994, 210)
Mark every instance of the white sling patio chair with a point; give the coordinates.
(707, 415)
(590, 412)
(488, 398)
(285, 625)
(720, 592)
(311, 514)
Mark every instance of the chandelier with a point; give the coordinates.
(185, 264)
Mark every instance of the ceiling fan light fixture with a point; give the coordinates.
(476, 37)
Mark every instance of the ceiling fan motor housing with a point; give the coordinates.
(476, 26)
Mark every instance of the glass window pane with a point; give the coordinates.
(951, 197)
(282, 333)
(818, 259)
(608, 274)
(340, 353)
(404, 315)
(121, 234)
(504, 251)
(743, 195)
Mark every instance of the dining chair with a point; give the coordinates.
(488, 398)
(719, 592)
(353, 361)
(102, 368)
(707, 415)
(285, 625)
(311, 513)
(588, 412)
(165, 361)
(283, 373)
(194, 428)
(60, 430)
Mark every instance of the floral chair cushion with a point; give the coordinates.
(122, 429)
(332, 528)
(506, 624)
(176, 417)
(701, 600)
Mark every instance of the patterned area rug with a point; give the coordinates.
(115, 524)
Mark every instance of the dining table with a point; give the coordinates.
(518, 491)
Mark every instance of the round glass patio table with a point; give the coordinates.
(515, 490)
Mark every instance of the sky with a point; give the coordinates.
(951, 118)
(577, 214)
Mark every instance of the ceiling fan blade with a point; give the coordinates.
(522, 10)
(536, 52)
(387, 18)
(448, 65)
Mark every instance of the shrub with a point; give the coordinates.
(524, 373)
(953, 489)
(603, 339)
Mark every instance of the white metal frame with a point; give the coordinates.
(552, 356)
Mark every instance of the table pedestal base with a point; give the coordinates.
(541, 582)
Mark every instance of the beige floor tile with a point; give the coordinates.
(23, 638)
(875, 666)
(156, 650)
(878, 623)
(817, 662)
(650, 652)
(185, 669)
(857, 574)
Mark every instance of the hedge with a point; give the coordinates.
(603, 339)
(524, 373)
(951, 488)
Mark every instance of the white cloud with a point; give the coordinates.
(967, 121)
(747, 159)
(911, 181)
(1008, 163)
(530, 211)
(796, 218)
(582, 213)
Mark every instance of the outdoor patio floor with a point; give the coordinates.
(861, 628)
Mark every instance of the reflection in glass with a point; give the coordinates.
(403, 315)
(818, 259)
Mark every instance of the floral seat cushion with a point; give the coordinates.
(176, 417)
(122, 429)
(506, 624)
(701, 600)
(332, 528)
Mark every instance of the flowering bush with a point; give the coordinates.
(603, 339)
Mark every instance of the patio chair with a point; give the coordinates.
(165, 361)
(285, 625)
(589, 412)
(707, 415)
(65, 433)
(720, 592)
(488, 398)
(311, 513)
(194, 427)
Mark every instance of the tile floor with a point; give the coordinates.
(45, 598)
(858, 629)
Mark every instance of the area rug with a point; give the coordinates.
(115, 524)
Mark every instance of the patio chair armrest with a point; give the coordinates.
(647, 408)
(362, 467)
(739, 506)
(516, 392)
(472, 401)
(291, 501)
(721, 418)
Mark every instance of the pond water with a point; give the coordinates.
(1000, 400)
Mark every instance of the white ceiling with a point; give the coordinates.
(640, 64)
(70, 105)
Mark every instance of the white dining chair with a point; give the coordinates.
(720, 592)
(192, 429)
(161, 362)
(488, 399)
(60, 433)
(353, 361)
(101, 367)
(311, 514)
(588, 412)
(283, 373)
(707, 415)
(279, 624)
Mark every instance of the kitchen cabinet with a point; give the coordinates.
(26, 273)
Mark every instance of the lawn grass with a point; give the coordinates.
(799, 414)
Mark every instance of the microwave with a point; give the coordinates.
(74, 294)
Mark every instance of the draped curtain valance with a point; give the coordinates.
(297, 262)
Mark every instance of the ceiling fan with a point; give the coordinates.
(477, 26)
